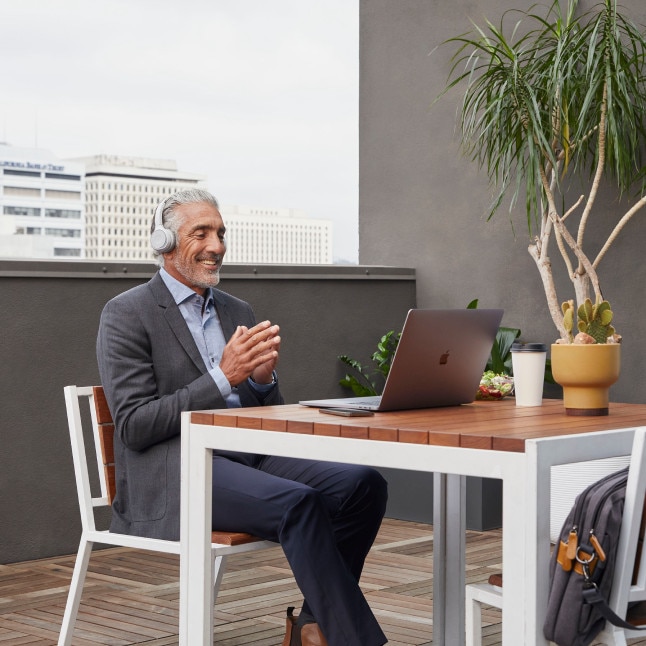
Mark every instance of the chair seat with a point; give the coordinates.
(637, 614)
(233, 538)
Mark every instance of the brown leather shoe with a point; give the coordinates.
(292, 631)
(311, 635)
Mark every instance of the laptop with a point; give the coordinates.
(439, 361)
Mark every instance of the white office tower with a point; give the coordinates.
(278, 236)
(121, 194)
(41, 204)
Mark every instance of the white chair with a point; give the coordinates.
(476, 594)
(223, 544)
(629, 582)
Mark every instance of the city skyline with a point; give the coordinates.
(260, 97)
(99, 207)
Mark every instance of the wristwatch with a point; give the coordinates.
(274, 379)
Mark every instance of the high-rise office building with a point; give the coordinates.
(278, 236)
(121, 194)
(41, 204)
(120, 197)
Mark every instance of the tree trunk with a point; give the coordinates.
(581, 284)
(544, 265)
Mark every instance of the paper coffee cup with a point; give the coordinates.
(528, 362)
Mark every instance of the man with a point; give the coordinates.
(177, 344)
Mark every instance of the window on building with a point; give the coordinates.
(62, 195)
(63, 213)
(76, 178)
(21, 173)
(21, 210)
(63, 233)
(19, 191)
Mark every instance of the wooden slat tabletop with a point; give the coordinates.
(497, 425)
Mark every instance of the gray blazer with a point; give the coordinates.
(151, 371)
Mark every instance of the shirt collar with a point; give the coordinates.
(181, 292)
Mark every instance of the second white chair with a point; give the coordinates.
(629, 581)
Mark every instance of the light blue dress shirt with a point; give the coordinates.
(203, 322)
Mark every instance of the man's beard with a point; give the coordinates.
(197, 277)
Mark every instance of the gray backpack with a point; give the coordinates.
(583, 564)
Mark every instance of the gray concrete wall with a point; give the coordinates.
(49, 313)
(421, 204)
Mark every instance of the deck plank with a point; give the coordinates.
(131, 596)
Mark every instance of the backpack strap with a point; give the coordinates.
(592, 596)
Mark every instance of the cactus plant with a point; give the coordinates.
(568, 318)
(594, 321)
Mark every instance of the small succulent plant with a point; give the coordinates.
(593, 321)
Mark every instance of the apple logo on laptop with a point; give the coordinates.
(444, 358)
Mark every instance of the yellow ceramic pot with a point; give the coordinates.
(586, 373)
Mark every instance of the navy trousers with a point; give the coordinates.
(325, 515)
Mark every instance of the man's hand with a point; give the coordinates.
(251, 352)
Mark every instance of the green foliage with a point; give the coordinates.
(386, 347)
(499, 360)
(535, 99)
(365, 382)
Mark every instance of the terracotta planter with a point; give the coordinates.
(586, 373)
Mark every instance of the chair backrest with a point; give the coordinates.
(102, 448)
(629, 582)
(103, 438)
(104, 428)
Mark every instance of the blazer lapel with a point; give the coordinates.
(176, 321)
(227, 323)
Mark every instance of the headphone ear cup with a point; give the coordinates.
(162, 239)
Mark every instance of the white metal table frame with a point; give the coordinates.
(526, 500)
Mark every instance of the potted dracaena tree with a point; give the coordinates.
(562, 95)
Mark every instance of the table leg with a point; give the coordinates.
(196, 589)
(449, 543)
(537, 557)
(517, 519)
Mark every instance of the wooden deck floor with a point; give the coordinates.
(131, 597)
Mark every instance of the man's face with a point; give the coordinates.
(197, 256)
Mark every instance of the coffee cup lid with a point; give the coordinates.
(528, 347)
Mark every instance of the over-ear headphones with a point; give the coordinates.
(162, 239)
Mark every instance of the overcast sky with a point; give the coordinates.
(259, 95)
